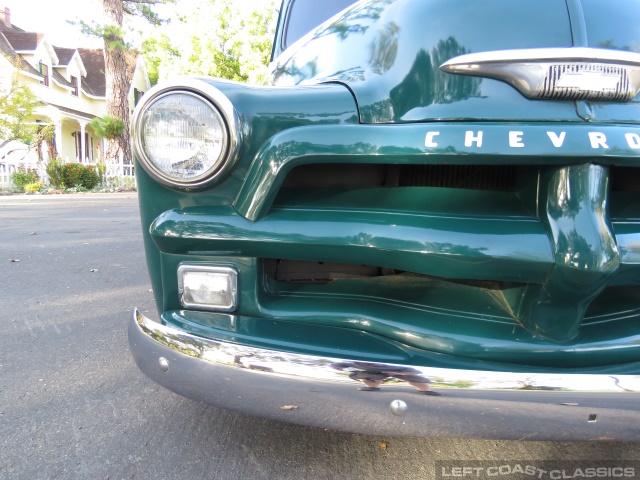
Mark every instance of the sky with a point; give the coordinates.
(50, 17)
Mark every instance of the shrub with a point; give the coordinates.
(102, 171)
(55, 170)
(77, 175)
(33, 187)
(22, 177)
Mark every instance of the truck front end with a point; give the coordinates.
(428, 224)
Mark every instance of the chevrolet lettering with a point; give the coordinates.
(426, 222)
(556, 139)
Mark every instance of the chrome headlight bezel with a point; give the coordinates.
(214, 99)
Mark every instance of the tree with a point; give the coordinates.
(117, 77)
(18, 105)
(216, 38)
(158, 52)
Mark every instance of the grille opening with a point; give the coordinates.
(322, 273)
(625, 179)
(316, 272)
(476, 177)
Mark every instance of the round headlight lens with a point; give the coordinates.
(183, 137)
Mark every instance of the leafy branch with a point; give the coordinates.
(17, 104)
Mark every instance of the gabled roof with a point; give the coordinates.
(7, 50)
(23, 41)
(64, 55)
(60, 80)
(9, 28)
(14, 41)
(132, 62)
(94, 83)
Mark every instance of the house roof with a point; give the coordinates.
(64, 55)
(14, 40)
(7, 50)
(57, 76)
(132, 62)
(78, 113)
(10, 27)
(95, 82)
(23, 41)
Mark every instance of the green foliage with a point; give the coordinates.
(217, 38)
(113, 31)
(157, 52)
(115, 36)
(137, 9)
(107, 126)
(80, 176)
(101, 167)
(17, 104)
(461, 384)
(55, 171)
(33, 187)
(124, 183)
(46, 132)
(23, 177)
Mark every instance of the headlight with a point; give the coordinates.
(185, 135)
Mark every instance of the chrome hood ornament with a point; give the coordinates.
(575, 73)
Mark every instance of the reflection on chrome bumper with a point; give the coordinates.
(387, 399)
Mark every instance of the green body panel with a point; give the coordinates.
(464, 247)
(489, 143)
(412, 318)
(584, 247)
(393, 51)
(545, 274)
(292, 335)
(263, 112)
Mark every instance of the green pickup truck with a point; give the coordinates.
(428, 223)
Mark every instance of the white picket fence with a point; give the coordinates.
(7, 169)
(117, 175)
(121, 174)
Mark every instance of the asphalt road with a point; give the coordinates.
(73, 404)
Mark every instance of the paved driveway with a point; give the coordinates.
(73, 404)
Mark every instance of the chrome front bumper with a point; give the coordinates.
(333, 393)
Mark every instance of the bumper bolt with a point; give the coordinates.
(398, 408)
(164, 364)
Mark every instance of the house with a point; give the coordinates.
(70, 82)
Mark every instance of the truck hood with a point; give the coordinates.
(389, 54)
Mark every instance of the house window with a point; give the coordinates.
(74, 82)
(44, 71)
(137, 95)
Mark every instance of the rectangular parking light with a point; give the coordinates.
(208, 287)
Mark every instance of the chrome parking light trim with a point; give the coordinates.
(364, 397)
(232, 273)
(576, 73)
(568, 54)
